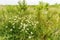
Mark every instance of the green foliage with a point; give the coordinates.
(23, 22)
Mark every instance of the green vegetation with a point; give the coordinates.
(23, 22)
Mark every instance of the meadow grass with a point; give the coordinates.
(23, 22)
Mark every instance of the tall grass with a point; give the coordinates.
(23, 22)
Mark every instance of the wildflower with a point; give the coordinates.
(6, 26)
(27, 21)
(14, 19)
(27, 28)
(25, 25)
(29, 37)
(13, 26)
(33, 23)
(9, 21)
(21, 23)
(13, 23)
(22, 30)
(15, 16)
(11, 29)
(31, 32)
(20, 27)
(26, 31)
